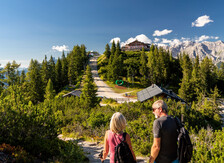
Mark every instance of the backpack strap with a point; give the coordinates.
(124, 136)
(179, 124)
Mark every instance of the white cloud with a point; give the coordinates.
(116, 39)
(161, 45)
(170, 42)
(128, 41)
(216, 38)
(201, 21)
(156, 40)
(161, 33)
(60, 48)
(204, 37)
(141, 38)
(165, 41)
(185, 39)
(175, 42)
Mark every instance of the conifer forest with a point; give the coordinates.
(34, 111)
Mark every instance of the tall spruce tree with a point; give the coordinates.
(22, 77)
(113, 48)
(207, 74)
(152, 65)
(132, 66)
(58, 74)
(88, 95)
(196, 82)
(35, 83)
(74, 67)
(11, 73)
(117, 64)
(72, 71)
(45, 71)
(84, 57)
(49, 93)
(220, 78)
(52, 75)
(112, 51)
(64, 71)
(186, 90)
(107, 51)
(143, 69)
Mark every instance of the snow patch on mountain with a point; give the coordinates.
(213, 50)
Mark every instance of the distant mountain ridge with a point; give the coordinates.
(213, 50)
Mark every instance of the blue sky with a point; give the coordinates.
(35, 28)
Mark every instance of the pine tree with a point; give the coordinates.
(161, 71)
(1, 79)
(22, 77)
(207, 74)
(196, 82)
(45, 71)
(117, 64)
(88, 95)
(186, 90)
(113, 48)
(132, 65)
(107, 51)
(34, 80)
(52, 75)
(174, 78)
(118, 49)
(152, 65)
(143, 69)
(74, 68)
(220, 78)
(64, 71)
(78, 59)
(11, 73)
(58, 74)
(84, 56)
(49, 93)
(72, 72)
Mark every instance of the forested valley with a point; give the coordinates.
(34, 112)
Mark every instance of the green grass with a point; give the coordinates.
(129, 88)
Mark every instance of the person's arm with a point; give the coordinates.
(106, 147)
(155, 149)
(128, 140)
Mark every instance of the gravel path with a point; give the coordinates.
(103, 89)
(92, 151)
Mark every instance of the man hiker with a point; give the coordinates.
(164, 148)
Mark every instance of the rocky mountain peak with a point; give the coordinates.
(213, 50)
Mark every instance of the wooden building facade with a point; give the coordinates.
(136, 46)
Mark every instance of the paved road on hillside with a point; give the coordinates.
(103, 89)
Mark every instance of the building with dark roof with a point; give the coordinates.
(156, 91)
(136, 46)
(73, 93)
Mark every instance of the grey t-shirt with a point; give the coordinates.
(165, 128)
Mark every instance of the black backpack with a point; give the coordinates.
(123, 153)
(185, 147)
